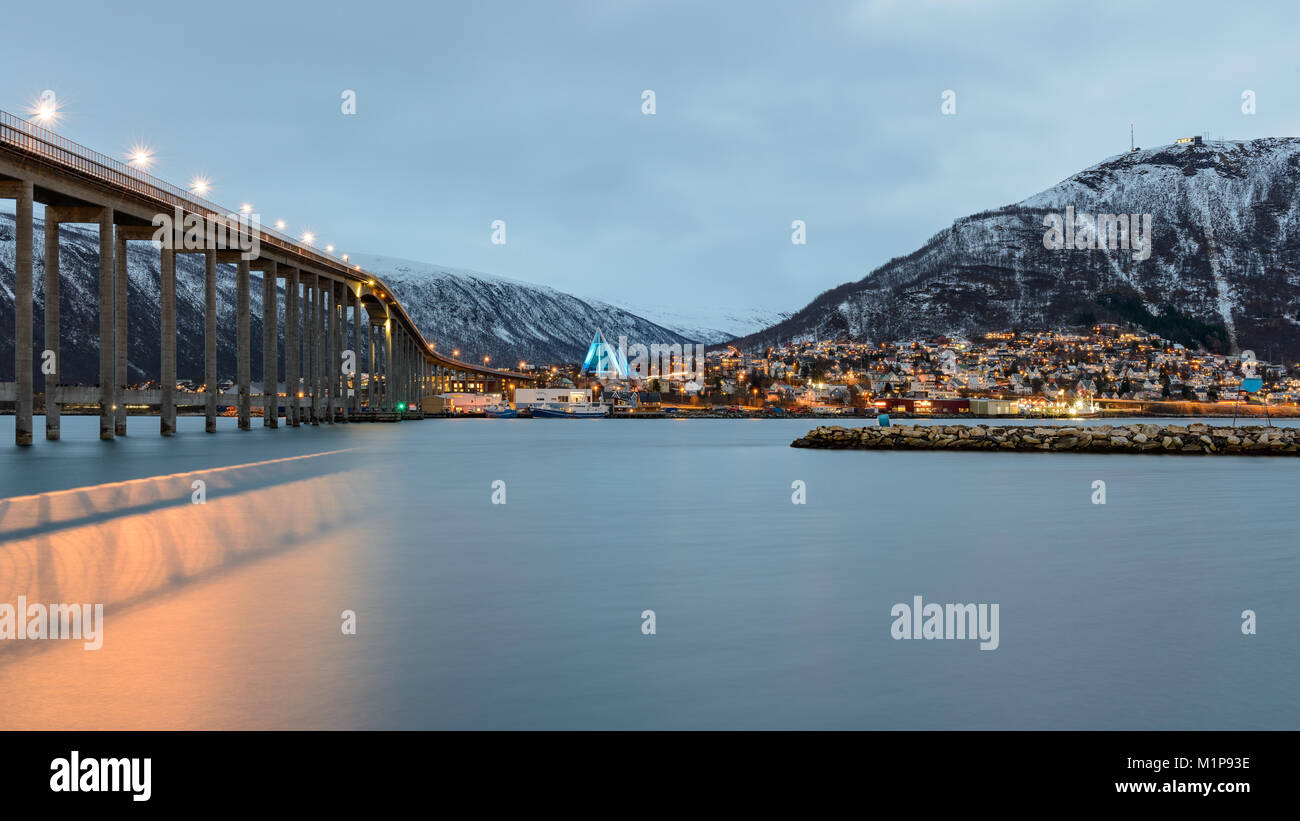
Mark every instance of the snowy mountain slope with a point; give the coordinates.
(712, 325)
(1225, 264)
(509, 320)
(479, 314)
(79, 309)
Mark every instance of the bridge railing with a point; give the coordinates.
(30, 138)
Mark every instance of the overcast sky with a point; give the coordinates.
(531, 113)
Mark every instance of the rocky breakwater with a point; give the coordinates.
(1152, 438)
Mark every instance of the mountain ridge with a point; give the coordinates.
(1225, 252)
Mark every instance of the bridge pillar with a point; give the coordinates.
(314, 341)
(120, 336)
(243, 355)
(356, 348)
(305, 369)
(292, 340)
(332, 362)
(51, 325)
(398, 363)
(371, 378)
(408, 368)
(167, 370)
(387, 401)
(107, 324)
(23, 306)
(270, 361)
(341, 290)
(210, 340)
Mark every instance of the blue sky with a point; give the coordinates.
(530, 112)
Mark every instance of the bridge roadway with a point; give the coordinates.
(328, 302)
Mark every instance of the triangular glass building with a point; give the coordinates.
(603, 360)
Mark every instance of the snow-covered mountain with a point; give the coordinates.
(1224, 270)
(477, 314)
(509, 320)
(79, 304)
(713, 325)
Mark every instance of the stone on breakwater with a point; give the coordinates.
(1143, 438)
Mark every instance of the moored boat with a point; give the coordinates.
(571, 410)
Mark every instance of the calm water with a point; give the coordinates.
(528, 614)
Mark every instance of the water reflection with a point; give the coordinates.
(135, 547)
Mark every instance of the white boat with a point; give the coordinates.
(570, 410)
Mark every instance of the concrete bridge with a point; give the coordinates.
(331, 307)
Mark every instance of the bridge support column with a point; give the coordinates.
(332, 362)
(23, 306)
(167, 369)
(51, 326)
(355, 297)
(407, 362)
(345, 401)
(292, 340)
(210, 340)
(243, 355)
(270, 362)
(107, 324)
(370, 365)
(314, 341)
(395, 340)
(387, 401)
(305, 368)
(120, 336)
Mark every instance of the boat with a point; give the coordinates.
(570, 410)
(502, 411)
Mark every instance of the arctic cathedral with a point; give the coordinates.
(603, 361)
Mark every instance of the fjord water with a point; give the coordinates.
(527, 614)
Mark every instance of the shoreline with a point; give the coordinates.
(1254, 440)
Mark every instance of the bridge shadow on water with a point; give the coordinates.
(125, 543)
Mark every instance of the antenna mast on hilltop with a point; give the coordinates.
(1130, 138)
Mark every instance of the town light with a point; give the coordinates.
(246, 208)
(329, 249)
(200, 186)
(308, 237)
(280, 225)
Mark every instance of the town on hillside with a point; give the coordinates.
(1103, 370)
